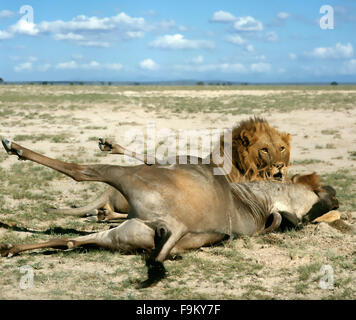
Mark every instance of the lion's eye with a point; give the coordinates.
(265, 150)
(283, 149)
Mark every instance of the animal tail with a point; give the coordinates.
(83, 211)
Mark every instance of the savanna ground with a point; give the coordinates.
(65, 122)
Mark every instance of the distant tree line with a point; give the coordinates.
(227, 83)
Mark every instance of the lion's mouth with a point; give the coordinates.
(276, 177)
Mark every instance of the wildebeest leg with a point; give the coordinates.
(101, 173)
(10, 250)
(197, 240)
(129, 236)
(165, 240)
(114, 148)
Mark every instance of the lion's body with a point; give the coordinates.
(258, 152)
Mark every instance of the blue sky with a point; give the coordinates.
(142, 40)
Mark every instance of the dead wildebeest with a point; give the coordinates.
(182, 206)
(256, 151)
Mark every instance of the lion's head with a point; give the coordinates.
(258, 152)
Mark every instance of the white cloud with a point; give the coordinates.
(114, 66)
(44, 67)
(223, 16)
(90, 31)
(26, 66)
(218, 67)
(6, 14)
(32, 59)
(238, 68)
(92, 65)
(283, 15)
(281, 70)
(182, 28)
(178, 42)
(349, 67)
(150, 13)
(124, 19)
(161, 26)
(99, 44)
(68, 36)
(292, 56)
(261, 57)
(135, 34)
(24, 27)
(261, 67)
(67, 65)
(77, 56)
(233, 67)
(250, 48)
(235, 39)
(91, 25)
(148, 64)
(271, 36)
(239, 41)
(198, 60)
(339, 51)
(15, 58)
(4, 35)
(83, 30)
(80, 23)
(248, 23)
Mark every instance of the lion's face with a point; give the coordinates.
(272, 155)
(266, 153)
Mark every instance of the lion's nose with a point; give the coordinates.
(279, 165)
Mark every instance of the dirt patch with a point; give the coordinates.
(275, 266)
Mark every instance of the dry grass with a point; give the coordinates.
(56, 120)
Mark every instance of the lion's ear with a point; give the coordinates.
(246, 138)
(286, 137)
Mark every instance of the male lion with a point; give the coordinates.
(259, 152)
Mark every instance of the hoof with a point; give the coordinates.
(92, 219)
(8, 147)
(105, 144)
(91, 213)
(5, 250)
(156, 272)
(70, 244)
(146, 284)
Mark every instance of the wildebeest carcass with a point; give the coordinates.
(181, 206)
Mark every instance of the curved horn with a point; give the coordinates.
(277, 219)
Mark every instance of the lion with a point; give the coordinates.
(258, 152)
